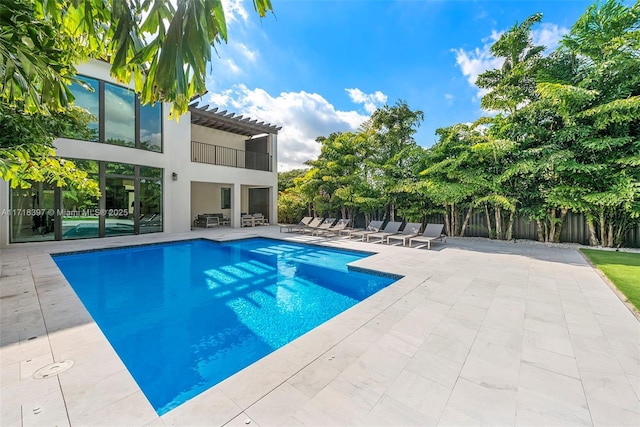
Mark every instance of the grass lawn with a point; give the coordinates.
(622, 268)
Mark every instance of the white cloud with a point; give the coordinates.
(548, 35)
(474, 62)
(303, 116)
(232, 67)
(371, 101)
(246, 52)
(234, 11)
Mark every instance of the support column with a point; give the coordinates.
(273, 190)
(236, 200)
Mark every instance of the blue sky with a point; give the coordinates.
(316, 67)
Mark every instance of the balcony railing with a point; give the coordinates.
(225, 156)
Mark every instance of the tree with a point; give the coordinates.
(164, 49)
(286, 179)
(600, 110)
(514, 83)
(394, 153)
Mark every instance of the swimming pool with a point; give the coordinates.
(184, 316)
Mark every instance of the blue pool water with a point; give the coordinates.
(184, 316)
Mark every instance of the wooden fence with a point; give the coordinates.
(574, 230)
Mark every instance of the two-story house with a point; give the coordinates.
(155, 174)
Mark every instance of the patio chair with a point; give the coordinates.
(431, 232)
(389, 229)
(290, 227)
(247, 221)
(259, 219)
(315, 222)
(373, 227)
(332, 231)
(410, 230)
(204, 221)
(328, 222)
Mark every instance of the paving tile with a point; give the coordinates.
(526, 417)
(485, 405)
(46, 410)
(556, 344)
(391, 412)
(87, 393)
(563, 389)
(133, 409)
(250, 384)
(29, 366)
(551, 361)
(492, 366)
(277, 406)
(449, 348)
(611, 414)
(243, 420)
(333, 407)
(433, 367)
(212, 407)
(314, 377)
(422, 395)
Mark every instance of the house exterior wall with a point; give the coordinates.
(175, 158)
(217, 137)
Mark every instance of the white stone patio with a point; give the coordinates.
(476, 333)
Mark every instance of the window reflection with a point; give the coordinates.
(151, 127)
(33, 213)
(88, 100)
(150, 205)
(120, 197)
(80, 211)
(119, 116)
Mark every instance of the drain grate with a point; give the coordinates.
(52, 369)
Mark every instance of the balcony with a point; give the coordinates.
(225, 156)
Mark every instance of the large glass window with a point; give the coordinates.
(120, 119)
(90, 101)
(151, 127)
(119, 116)
(225, 198)
(131, 203)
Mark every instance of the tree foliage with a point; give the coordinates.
(564, 137)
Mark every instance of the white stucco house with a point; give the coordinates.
(155, 174)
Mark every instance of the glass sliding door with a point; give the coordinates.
(80, 212)
(131, 202)
(33, 213)
(119, 198)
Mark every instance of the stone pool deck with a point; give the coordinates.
(476, 333)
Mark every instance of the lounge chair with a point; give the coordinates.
(328, 222)
(290, 227)
(334, 230)
(431, 232)
(410, 230)
(391, 228)
(373, 227)
(315, 222)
